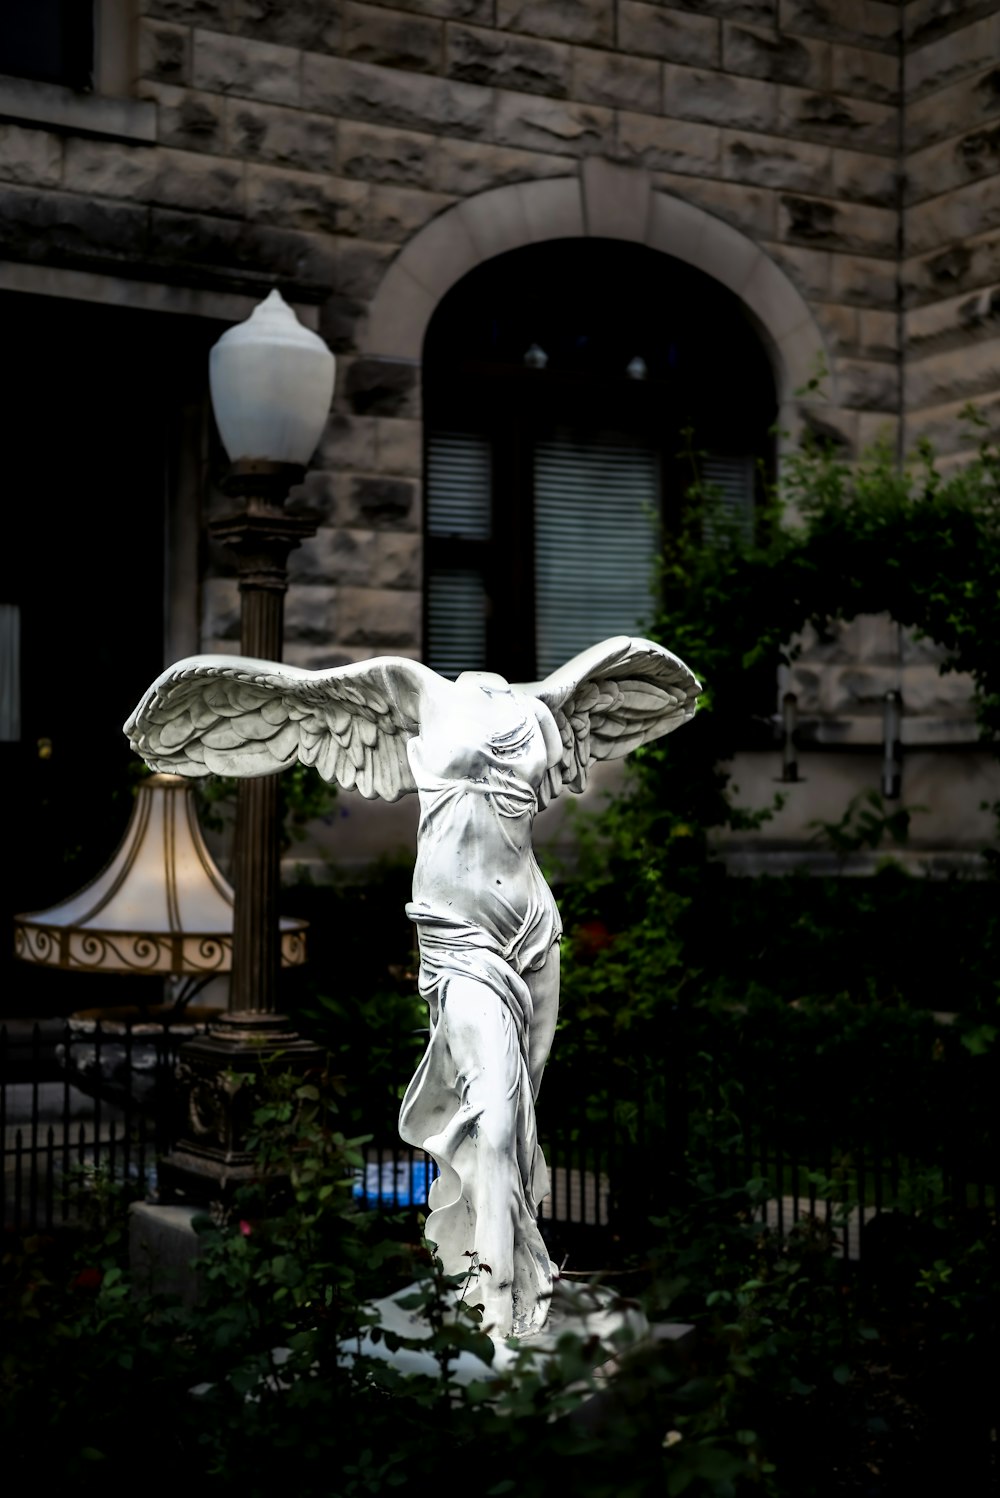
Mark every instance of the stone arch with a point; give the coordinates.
(607, 201)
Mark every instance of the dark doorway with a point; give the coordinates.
(93, 408)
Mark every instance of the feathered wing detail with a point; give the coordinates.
(228, 715)
(607, 701)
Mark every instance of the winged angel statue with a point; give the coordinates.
(483, 757)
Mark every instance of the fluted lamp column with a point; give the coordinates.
(272, 383)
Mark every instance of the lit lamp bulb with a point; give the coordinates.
(272, 384)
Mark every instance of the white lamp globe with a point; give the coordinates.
(272, 384)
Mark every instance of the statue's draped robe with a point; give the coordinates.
(482, 911)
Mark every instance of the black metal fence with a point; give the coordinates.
(836, 1128)
(80, 1103)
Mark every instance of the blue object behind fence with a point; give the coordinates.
(394, 1183)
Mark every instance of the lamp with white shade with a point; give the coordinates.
(272, 383)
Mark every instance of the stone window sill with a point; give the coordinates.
(57, 108)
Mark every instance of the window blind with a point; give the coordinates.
(10, 672)
(597, 505)
(458, 500)
(459, 487)
(732, 483)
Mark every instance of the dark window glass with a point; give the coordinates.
(559, 381)
(48, 40)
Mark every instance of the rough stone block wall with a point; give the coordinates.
(951, 267)
(307, 141)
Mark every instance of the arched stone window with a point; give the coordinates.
(559, 381)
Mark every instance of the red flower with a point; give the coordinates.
(88, 1279)
(245, 1227)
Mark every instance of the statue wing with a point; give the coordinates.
(609, 700)
(229, 715)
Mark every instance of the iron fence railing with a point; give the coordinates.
(840, 1139)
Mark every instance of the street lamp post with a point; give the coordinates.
(272, 383)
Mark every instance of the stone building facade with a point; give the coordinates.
(834, 164)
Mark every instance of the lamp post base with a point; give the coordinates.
(221, 1079)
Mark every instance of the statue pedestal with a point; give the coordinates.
(581, 1310)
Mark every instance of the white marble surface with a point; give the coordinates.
(483, 757)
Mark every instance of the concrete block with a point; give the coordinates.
(952, 163)
(728, 255)
(956, 215)
(776, 56)
(618, 81)
(863, 177)
(676, 227)
(467, 167)
(837, 118)
(179, 179)
(773, 161)
(970, 265)
(306, 200)
(313, 24)
(395, 214)
(837, 225)
(752, 209)
(954, 322)
(283, 137)
(810, 270)
(316, 560)
(164, 52)
(381, 386)
(720, 98)
(554, 209)
(551, 124)
(374, 154)
(208, 240)
(163, 1250)
(31, 156)
(948, 58)
(397, 561)
(878, 334)
(839, 325)
(190, 12)
(495, 221)
(382, 618)
(380, 501)
(616, 200)
(441, 254)
(863, 280)
(671, 34)
(874, 23)
(772, 298)
(864, 73)
(186, 118)
(348, 441)
(388, 96)
(667, 145)
(500, 60)
(589, 21)
(965, 373)
(225, 64)
(398, 320)
(868, 384)
(948, 111)
(399, 443)
(802, 353)
(398, 40)
(850, 689)
(926, 692)
(359, 266)
(876, 428)
(311, 614)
